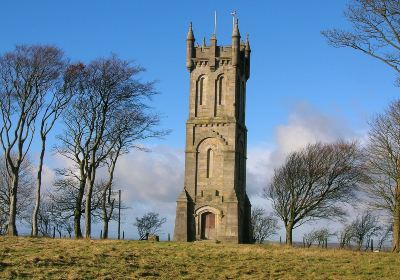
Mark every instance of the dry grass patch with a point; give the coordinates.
(41, 258)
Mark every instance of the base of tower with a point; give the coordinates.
(226, 223)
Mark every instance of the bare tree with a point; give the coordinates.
(67, 197)
(309, 239)
(314, 183)
(26, 74)
(365, 226)
(376, 30)
(108, 205)
(56, 99)
(386, 232)
(69, 226)
(383, 163)
(25, 193)
(345, 236)
(133, 124)
(263, 226)
(150, 223)
(46, 216)
(108, 88)
(51, 219)
(67, 201)
(360, 231)
(319, 236)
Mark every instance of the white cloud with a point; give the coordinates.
(150, 181)
(48, 176)
(155, 176)
(307, 125)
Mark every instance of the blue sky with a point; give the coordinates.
(296, 80)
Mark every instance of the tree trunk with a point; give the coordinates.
(88, 214)
(105, 228)
(289, 234)
(77, 222)
(88, 208)
(12, 227)
(104, 213)
(78, 210)
(107, 197)
(396, 221)
(38, 187)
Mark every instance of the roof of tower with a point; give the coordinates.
(190, 35)
(247, 42)
(236, 32)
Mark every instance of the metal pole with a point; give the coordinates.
(119, 214)
(215, 23)
(233, 14)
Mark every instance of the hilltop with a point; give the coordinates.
(42, 258)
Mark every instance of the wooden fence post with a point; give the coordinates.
(372, 245)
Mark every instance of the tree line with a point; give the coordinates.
(99, 110)
(328, 180)
(321, 180)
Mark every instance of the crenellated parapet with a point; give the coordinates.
(214, 56)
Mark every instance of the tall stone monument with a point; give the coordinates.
(213, 204)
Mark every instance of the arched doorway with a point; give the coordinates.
(207, 226)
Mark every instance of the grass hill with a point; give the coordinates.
(42, 258)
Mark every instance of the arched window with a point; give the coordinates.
(210, 163)
(220, 89)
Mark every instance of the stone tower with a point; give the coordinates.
(213, 203)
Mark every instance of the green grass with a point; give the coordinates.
(42, 258)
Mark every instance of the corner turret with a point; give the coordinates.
(247, 52)
(189, 48)
(235, 44)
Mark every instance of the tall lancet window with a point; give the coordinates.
(210, 163)
(238, 102)
(200, 90)
(243, 98)
(199, 98)
(220, 89)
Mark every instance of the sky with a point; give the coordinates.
(301, 90)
